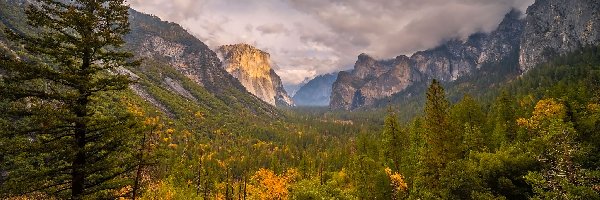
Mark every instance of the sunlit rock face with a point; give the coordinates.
(253, 68)
(169, 43)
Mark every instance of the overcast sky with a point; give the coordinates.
(310, 37)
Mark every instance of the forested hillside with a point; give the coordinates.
(166, 123)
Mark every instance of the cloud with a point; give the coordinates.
(389, 28)
(310, 37)
(173, 10)
(272, 29)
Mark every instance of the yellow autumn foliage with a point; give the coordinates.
(397, 180)
(544, 110)
(268, 185)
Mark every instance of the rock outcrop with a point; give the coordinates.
(556, 27)
(316, 92)
(372, 80)
(550, 28)
(182, 56)
(253, 68)
(170, 43)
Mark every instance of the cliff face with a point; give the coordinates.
(178, 73)
(170, 43)
(252, 67)
(550, 28)
(316, 92)
(555, 27)
(372, 79)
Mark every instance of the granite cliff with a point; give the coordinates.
(373, 79)
(550, 28)
(253, 68)
(556, 27)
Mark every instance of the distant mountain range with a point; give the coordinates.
(243, 76)
(316, 92)
(550, 28)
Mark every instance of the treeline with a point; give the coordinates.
(533, 141)
(69, 129)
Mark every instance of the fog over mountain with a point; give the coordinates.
(310, 37)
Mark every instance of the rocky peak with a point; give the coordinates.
(253, 62)
(165, 42)
(555, 27)
(511, 19)
(367, 67)
(372, 79)
(253, 68)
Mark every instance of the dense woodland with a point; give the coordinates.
(71, 129)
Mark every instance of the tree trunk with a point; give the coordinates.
(78, 171)
(140, 167)
(80, 110)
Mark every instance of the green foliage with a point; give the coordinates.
(487, 145)
(442, 143)
(395, 142)
(70, 135)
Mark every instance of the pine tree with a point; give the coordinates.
(70, 133)
(503, 120)
(395, 141)
(442, 143)
(467, 116)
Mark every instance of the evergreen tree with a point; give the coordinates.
(467, 116)
(395, 141)
(503, 120)
(442, 143)
(70, 135)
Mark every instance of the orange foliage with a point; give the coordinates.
(396, 180)
(268, 185)
(545, 110)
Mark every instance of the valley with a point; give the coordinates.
(144, 109)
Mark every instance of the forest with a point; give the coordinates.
(72, 128)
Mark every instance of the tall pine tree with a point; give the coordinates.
(442, 143)
(395, 141)
(69, 137)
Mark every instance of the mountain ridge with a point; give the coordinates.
(516, 38)
(316, 92)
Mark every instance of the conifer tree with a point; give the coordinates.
(395, 140)
(442, 143)
(70, 135)
(503, 120)
(467, 117)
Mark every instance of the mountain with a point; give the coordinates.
(178, 76)
(169, 46)
(292, 88)
(376, 79)
(556, 27)
(550, 28)
(316, 92)
(253, 68)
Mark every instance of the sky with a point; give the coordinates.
(307, 38)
